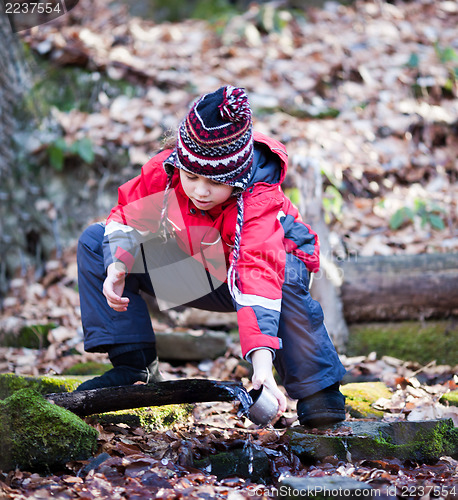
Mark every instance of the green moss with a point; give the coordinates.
(361, 396)
(423, 442)
(450, 398)
(408, 340)
(38, 435)
(425, 445)
(178, 10)
(148, 418)
(89, 368)
(32, 337)
(10, 383)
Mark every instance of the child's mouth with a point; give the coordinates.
(200, 203)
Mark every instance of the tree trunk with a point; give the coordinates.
(21, 185)
(400, 287)
(13, 174)
(11, 80)
(84, 403)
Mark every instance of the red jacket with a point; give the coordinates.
(272, 226)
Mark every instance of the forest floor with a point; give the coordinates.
(159, 462)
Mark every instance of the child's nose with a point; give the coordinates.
(202, 189)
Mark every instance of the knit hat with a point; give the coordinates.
(215, 139)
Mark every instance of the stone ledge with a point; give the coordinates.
(191, 345)
(423, 442)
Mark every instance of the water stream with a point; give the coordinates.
(347, 451)
(241, 394)
(248, 452)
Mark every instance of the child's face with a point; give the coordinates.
(203, 192)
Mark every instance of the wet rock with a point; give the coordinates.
(423, 442)
(38, 435)
(191, 345)
(249, 462)
(322, 487)
(361, 396)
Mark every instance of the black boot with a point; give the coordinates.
(322, 408)
(140, 365)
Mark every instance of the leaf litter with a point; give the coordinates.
(132, 462)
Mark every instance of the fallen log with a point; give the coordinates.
(400, 287)
(84, 403)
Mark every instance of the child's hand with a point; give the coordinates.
(113, 287)
(262, 375)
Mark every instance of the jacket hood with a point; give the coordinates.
(270, 160)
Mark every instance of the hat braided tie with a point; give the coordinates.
(232, 273)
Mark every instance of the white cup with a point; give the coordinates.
(264, 407)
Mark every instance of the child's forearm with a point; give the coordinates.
(263, 375)
(262, 360)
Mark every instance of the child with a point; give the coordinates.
(207, 225)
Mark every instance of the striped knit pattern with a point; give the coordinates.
(232, 274)
(215, 139)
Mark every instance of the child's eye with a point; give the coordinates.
(191, 177)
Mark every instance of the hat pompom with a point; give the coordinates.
(235, 106)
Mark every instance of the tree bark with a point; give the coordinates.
(84, 403)
(400, 287)
(19, 184)
(10, 88)
(11, 84)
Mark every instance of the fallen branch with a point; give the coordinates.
(400, 287)
(84, 403)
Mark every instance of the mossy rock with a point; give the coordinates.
(422, 442)
(30, 336)
(71, 87)
(408, 340)
(10, 383)
(89, 368)
(38, 435)
(361, 396)
(149, 419)
(450, 398)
